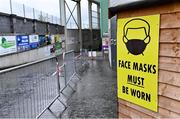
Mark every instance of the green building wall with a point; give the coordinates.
(104, 16)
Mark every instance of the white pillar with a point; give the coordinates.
(79, 23)
(62, 8)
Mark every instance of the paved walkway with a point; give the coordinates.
(95, 96)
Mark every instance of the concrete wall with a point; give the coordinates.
(25, 57)
(87, 41)
(12, 24)
(5, 24)
(20, 25)
(72, 42)
(73, 39)
(43, 52)
(15, 24)
(52, 28)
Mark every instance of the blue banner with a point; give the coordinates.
(22, 43)
(42, 40)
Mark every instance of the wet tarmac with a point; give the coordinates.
(95, 96)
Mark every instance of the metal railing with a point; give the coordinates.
(28, 91)
(82, 61)
(66, 73)
(25, 91)
(27, 12)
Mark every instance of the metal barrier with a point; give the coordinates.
(82, 61)
(67, 71)
(28, 91)
(25, 91)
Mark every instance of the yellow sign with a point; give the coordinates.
(137, 60)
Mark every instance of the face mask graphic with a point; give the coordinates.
(136, 38)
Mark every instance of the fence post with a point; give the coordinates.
(41, 17)
(47, 18)
(12, 23)
(24, 11)
(11, 6)
(65, 74)
(33, 13)
(58, 71)
(34, 26)
(56, 20)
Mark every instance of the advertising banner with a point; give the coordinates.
(52, 39)
(62, 37)
(7, 45)
(57, 38)
(105, 44)
(22, 43)
(42, 40)
(45, 40)
(137, 60)
(48, 39)
(58, 48)
(34, 41)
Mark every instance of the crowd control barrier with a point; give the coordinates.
(29, 90)
(26, 90)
